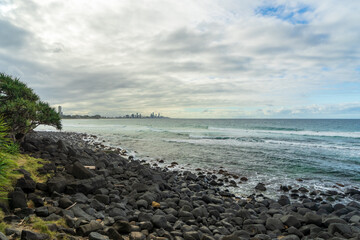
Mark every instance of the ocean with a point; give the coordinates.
(324, 154)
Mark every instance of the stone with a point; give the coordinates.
(283, 200)
(80, 172)
(102, 198)
(42, 211)
(343, 229)
(78, 212)
(290, 221)
(333, 219)
(17, 199)
(290, 237)
(57, 183)
(255, 228)
(97, 236)
(137, 236)
(274, 224)
(140, 187)
(29, 235)
(147, 225)
(2, 236)
(65, 202)
(160, 221)
(113, 234)
(13, 231)
(27, 184)
(98, 206)
(313, 218)
(142, 204)
(191, 235)
(86, 229)
(260, 187)
(123, 227)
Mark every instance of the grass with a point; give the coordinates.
(17, 161)
(40, 225)
(3, 225)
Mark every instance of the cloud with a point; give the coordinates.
(222, 58)
(11, 36)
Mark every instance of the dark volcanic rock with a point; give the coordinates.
(260, 187)
(27, 184)
(29, 235)
(274, 224)
(290, 221)
(123, 227)
(97, 236)
(80, 172)
(65, 202)
(84, 230)
(17, 199)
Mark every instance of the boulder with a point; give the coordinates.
(290, 220)
(274, 224)
(122, 227)
(79, 171)
(29, 235)
(86, 229)
(343, 229)
(65, 202)
(17, 199)
(260, 187)
(97, 236)
(26, 183)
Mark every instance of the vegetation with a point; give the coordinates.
(22, 109)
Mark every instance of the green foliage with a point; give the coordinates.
(22, 109)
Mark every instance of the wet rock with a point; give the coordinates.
(260, 187)
(283, 200)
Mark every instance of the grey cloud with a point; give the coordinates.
(11, 36)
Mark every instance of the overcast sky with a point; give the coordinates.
(199, 59)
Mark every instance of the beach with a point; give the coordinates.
(101, 195)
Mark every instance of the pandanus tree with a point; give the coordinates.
(22, 109)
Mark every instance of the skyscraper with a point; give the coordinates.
(60, 111)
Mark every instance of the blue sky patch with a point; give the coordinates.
(292, 15)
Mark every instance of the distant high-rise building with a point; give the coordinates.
(60, 111)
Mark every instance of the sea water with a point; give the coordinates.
(324, 154)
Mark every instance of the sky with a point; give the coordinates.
(187, 59)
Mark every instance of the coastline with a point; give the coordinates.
(139, 200)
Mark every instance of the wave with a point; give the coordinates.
(235, 131)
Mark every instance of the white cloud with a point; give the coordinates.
(115, 57)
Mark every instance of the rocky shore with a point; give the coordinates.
(103, 195)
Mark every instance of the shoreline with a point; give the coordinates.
(132, 199)
(335, 191)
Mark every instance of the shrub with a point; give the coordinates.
(22, 109)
